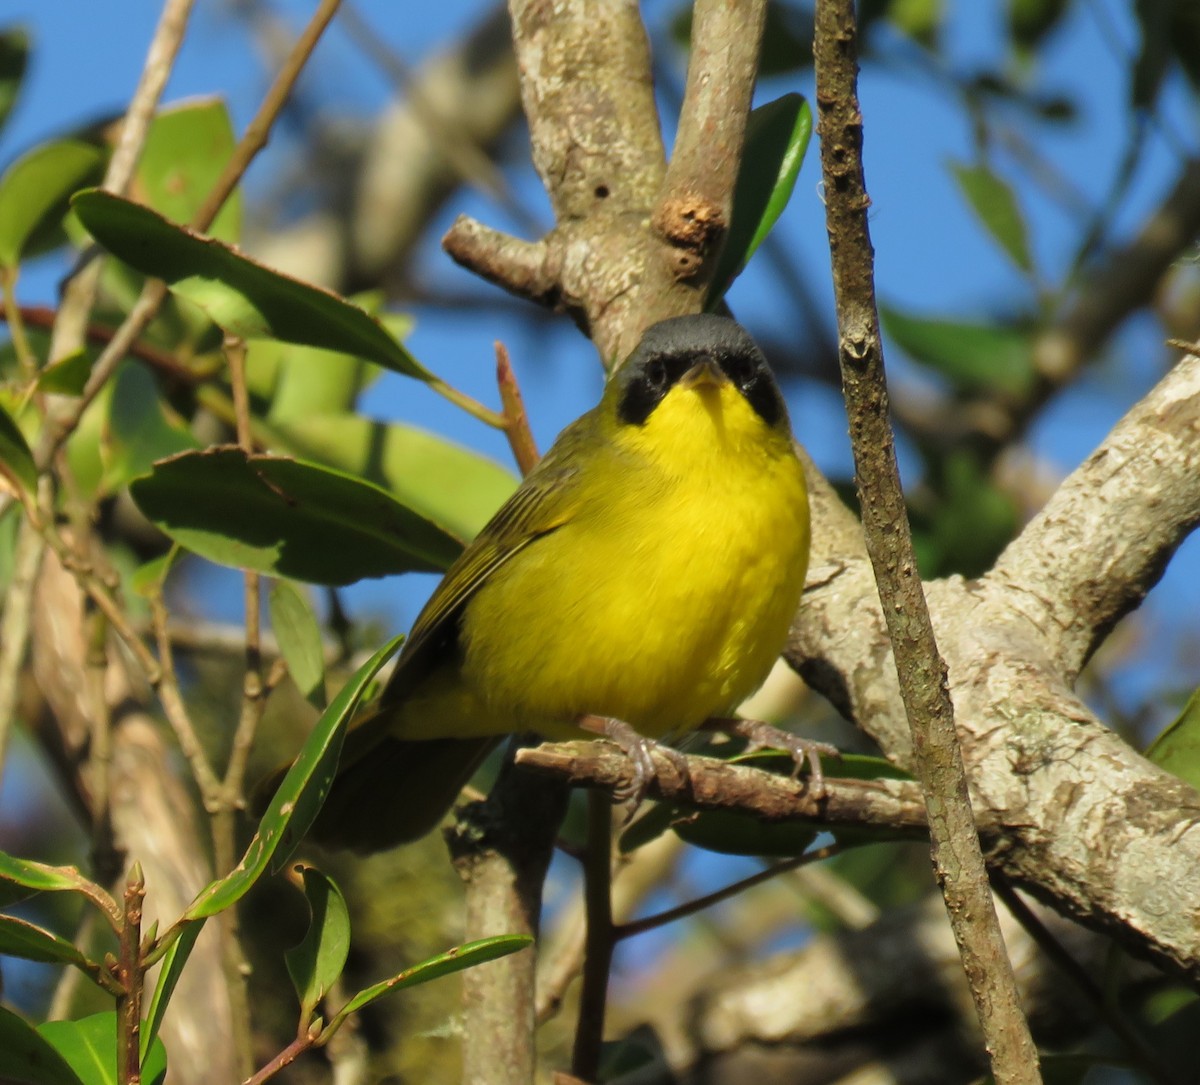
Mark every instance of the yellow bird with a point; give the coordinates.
(647, 570)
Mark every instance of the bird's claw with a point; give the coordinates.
(640, 751)
(763, 736)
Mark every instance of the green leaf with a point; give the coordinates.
(1177, 749)
(994, 203)
(299, 637)
(453, 960)
(298, 801)
(728, 833)
(168, 976)
(777, 136)
(89, 1046)
(19, 875)
(453, 486)
(26, 1057)
(187, 148)
(241, 296)
(21, 939)
(973, 357)
(16, 461)
(288, 518)
(36, 188)
(147, 579)
(68, 375)
(921, 20)
(138, 430)
(1029, 21)
(14, 57)
(318, 960)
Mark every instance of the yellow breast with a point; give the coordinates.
(663, 601)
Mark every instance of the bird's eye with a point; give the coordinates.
(656, 374)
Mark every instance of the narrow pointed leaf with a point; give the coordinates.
(288, 518)
(453, 960)
(298, 801)
(16, 461)
(318, 960)
(299, 636)
(993, 201)
(1177, 749)
(168, 976)
(242, 297)
(453, 486)
(27, 1057)
(777, 136)
(36, 188)
(89, 1046)
(21, 939)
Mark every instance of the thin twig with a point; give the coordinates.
(601, 938)
(691, 907)
(516, 421)
(131, 973)
(14, 625)
(12, 314)
(957, 857)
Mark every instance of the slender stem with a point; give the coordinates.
(516, 421)
(1139, 1048)
(14, 624)
(12, 314)
(691, 907)
(130, 970)
(285, 1058)
(105, 859)
(601, 937)
(472, 406)
(957, 858)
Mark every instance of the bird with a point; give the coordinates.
(644, 574)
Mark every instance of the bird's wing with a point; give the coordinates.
(546, 500)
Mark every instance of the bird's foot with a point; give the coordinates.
(804, 751)
(640, 751)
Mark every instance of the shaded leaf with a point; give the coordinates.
(138, 430)
(68, 375)
(1029, 21)
(453, 486)
(1177, 749)
(299, 635)
(27, 1057)
(21, 939)
(36, 188)
(973, 357)
(729, 833)
(16, 460)
(186, 150)
(777, 136)
(168, 976)
(14, 57)
(241, 296)
(89, 1045)
(444, 964)
(994, 203)
(288, 518)
(318, 960)
(298, 800)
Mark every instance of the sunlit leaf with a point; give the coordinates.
(241, 296)
(317, 962)
(186, 150)
(444, 964)
(36, 188)
(68, 375)
(27, 1057)
(168, 976)
(20, 877)
(993, 201)
(1177, 749)
(298, 800)
(299, 636)
(288, 518)
(777, 136)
